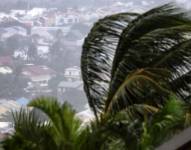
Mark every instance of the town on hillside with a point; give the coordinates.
(40, 50)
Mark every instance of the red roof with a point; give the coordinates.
(33, 70)
(6, 60)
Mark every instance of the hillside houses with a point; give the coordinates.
(62, 20)
(64, 86)
(72, 80)
(39, 75)
(72, 74)
(51, 40)
(38, 78)
(6, 63)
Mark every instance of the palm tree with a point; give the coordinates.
(62, 130)
(131, 63)
(153, 131)
(131, 60)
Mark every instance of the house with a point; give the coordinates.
(66, 19)
(43, 51)
(11, 31)
(72, 73)
(5, 70)
(64, 86)
(38, 75)
(21, 54)
(72, 92)
(6, 61)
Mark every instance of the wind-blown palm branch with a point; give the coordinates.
(65, 125)
(97, 56)
(158, 39)
(30, 133)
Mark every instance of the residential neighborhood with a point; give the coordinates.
(40, 50)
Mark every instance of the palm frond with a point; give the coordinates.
(168, 121)
(156, 45)
(30, 133)
(65, 125)
(159, 38)
(165, 16)
(97, 56)
(138, 88)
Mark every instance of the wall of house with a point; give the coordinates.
(41, 80)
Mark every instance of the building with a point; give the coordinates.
(6, 61)
(72, 73)
(5, 70)
(64, 86)
(66, 20)
(38, 75)
(5, 65)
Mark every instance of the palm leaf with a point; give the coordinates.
(168, 121)
(97, 56)
(65, 125)
(30, 133)
(147, 48)
(138, 88)
(161, 17)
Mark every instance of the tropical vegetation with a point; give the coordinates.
(136, 70)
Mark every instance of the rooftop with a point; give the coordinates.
(35, 70)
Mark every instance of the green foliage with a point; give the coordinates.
(131, 64)
(60, 131)
(132, 59)
(30, 133)
(164, 124)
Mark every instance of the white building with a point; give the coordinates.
(72, 73)
(20, 54)
(43, 51)
(66, 20)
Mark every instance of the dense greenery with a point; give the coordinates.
(136, 73)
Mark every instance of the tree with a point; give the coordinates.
(152, 131)
(131, 65)
(61, 131)
(131, 59)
